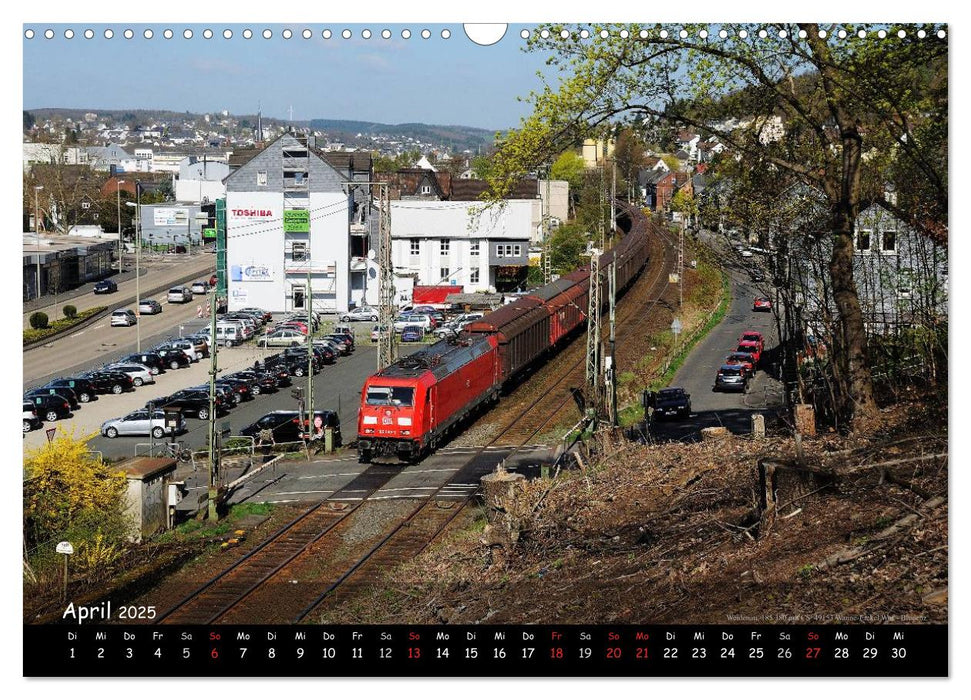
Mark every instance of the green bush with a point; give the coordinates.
(70, 311)
(38, 320)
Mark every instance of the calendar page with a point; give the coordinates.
(440, 349)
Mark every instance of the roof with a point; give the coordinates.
(468, 189)
(441, 359)
(145, 468)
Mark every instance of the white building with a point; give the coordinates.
(268, 263)
(459, 242)
(200, 180)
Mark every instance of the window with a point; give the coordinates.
(473, 247)
(299, 251)
(415, 247)
(863, 240)
(474, 276)
(499, 250)
(426, 189)
(519, 250)
(888, 242)
(298, 297)
(443, 273)
(261, 178)
(390, 395)
(444, 246)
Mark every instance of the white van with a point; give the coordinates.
(229, 333)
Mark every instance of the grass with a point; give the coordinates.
(204, 529)
(32, 335)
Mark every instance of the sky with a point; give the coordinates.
(394, 80)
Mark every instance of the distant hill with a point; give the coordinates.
(454, 136)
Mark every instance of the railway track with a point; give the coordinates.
(247, 585)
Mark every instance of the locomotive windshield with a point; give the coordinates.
(390, 396)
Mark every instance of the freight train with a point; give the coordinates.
(411, 406)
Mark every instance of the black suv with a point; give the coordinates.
(174, 358)
(673, 401)
(50, 407)
(261, 382)
(64, 392)
(289, 426)
(190, 402)
(83, 388)
(107, 382)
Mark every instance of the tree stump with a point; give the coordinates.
(805, 418)
(499, 492)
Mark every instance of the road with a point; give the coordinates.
(157, 270)
(697, 374)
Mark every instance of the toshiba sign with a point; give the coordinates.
(252, 213)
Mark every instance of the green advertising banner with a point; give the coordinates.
(296, 221)
(208, 234)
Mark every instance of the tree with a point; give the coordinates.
(29, 121)
(481, 167)
(568, 166)
(567, 244)
(834, 114)
(68, 489)
(629, 156)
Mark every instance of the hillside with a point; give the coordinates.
(454, 136)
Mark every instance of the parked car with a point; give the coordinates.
(752, 348)
(190, 402)
(185, 345)
(362, 313)
(199, 287)
(423, 320)
(174, 358)
(140, 374)
(152, 360)
(744, 359)
(731, 378)
(240, 386)
(200, 341)
(294, 324)
(671, 402)
(123, 317)
(282, 338)
(50, 407)
(753, 337)
(64, 393)
(107, 382)
(266, 315)
(149, 306)
(261, 382)
(83, 388)
(331, 348)
(346, 330)
(377, 331)
(105, 287)
(179, 295)
(762, 304)
(140, 423)
(31, 420)
(412, 334)
(290, 426)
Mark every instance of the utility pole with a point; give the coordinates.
(613, 195)
(138, 253)
(611, 362)
(310, 340)
(386, 337)
(120, 183)
(600, 219)
(593, 338)
(37, 189)
(547, 263)
(213, 441)
(681, 264)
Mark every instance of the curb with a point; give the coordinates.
(107, 312)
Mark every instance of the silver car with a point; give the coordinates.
(138, 423)
(123, 317)
(363, 313)
(149, 306)
(140, 374)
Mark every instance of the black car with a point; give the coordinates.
(289, 426)
(50, 407)
(261, 382)
(240, 386)
(190, 402)
(31, 420)
(83, 388)
(105, 382)
(66, 393)
(731, 378)
(673, 401)
(174, 358)
(152, 360)
(105, 287)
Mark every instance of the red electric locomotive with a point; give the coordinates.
(410, 406)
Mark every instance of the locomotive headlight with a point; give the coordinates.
(370, 420)
(404, 421)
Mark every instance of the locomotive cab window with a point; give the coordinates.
(390, 396)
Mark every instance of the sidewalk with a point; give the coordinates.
(157, 271)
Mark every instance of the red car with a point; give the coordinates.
(744, 359)
(755, 337)
(762, 304)
(752, 348)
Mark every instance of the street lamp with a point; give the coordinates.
(120, 183)
(37, 189)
